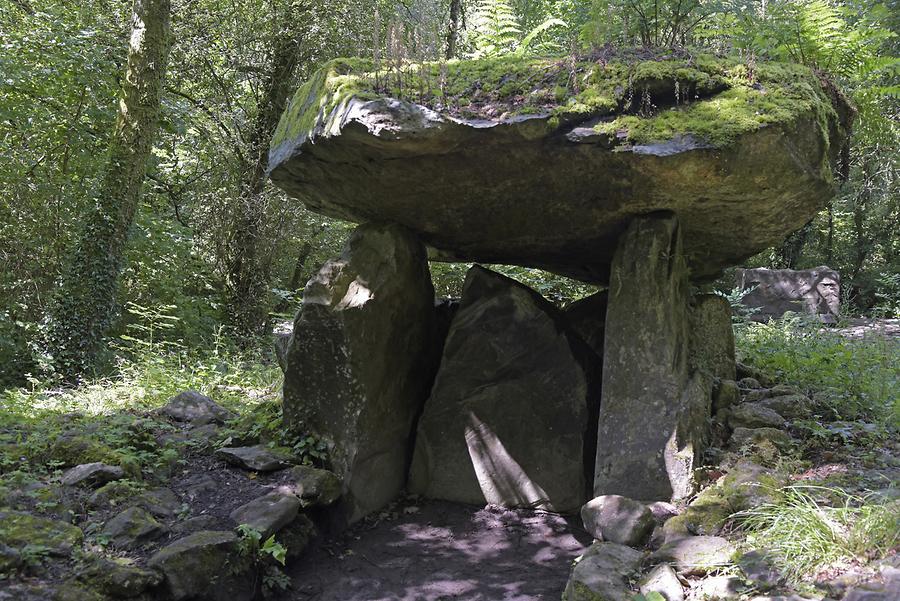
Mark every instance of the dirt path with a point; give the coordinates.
(438, 551)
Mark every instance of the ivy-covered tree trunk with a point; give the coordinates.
(453, 28)
(85, 304)
(249, 263)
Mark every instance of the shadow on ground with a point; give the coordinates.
(437, 551)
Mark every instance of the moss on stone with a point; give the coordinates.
(639, 100)
(18, 529)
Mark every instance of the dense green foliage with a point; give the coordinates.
(214, 245)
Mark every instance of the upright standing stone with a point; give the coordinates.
(652, 416)
(360, 363)
(509, 418)
(712, 337)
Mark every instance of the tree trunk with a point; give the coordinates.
(453, 28)
(248, 268)
(86, 300)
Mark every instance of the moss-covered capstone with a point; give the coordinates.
(543, 161)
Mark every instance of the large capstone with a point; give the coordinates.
(770, 293)
(360, 362)
(653, 413)
(543, 163)
(509, 418)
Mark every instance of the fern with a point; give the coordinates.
(497, 32)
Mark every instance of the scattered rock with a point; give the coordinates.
(191, 406)
(10, 559)
(744, 436)
(726, 395)
(791, 406)
(748, 383)
(663, 580)
(753, 415)
(717, 588)
(748, 371)
(604, 573)
(92, 474)
(196, 524)
(296, 536)
(119, 580)
(259, 458)
(662, 511)
(205, 566)
(362, 360)
(112, 494)
(508, 353)
(161, 502)
(315, 487)
(694, 555)
(268, 514)
(759, 571)
(204, 436)
(133, 527)
(201, 485)
(20, 529)
(617, 519)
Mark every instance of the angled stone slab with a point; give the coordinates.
(361, 361)
(509, 417)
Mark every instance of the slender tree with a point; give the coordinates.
(85, 303)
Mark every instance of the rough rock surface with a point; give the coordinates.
(92, 474)
(604, 573)
(695, 554)
(508, 420)
(774, 292)
(204, 566)
(362, 360)
(20, 529)
(132, 527)
(653, 414)
(752, 415)
(191, 406)
(663, 580)
(617, 519)
(268, 514)
(314, 486)
(258, 458)
(473, 186)
(712, 337)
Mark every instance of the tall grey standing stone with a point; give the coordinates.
(361, 361)
(712, 337)
(508, 421)
(652, 413)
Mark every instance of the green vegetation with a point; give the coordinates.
(851, 379)
(810, 528)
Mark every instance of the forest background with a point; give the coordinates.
(216, 254)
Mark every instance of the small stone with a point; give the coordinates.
(749, 383)
(192, 563)
(726, 395)
(92, 474)
(132, 527)
(792, 406)
(203, 436)
(20, 529)
(695, 555)
(191, 406)
(663, 580)
(268, 514)
(743, 436)
(759, 570)
(662, 511)
(10, 559)
(196, 524)
(259, 458)
(617, 519)
(603, 573)
(717, 588)
(296, 536)
(120, 580)
(112, 493)
(754, 415)
(161, 502)
(315, 487)
(203, 484)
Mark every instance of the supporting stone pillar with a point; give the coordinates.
(653, 413)
(362, 359)
(712, 337)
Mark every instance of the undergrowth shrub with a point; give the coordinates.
(853, 378)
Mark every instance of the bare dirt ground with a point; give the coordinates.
(436, 551)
